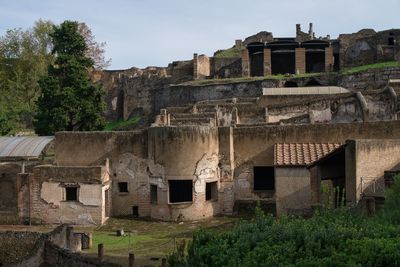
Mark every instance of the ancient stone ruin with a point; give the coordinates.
(221, 135)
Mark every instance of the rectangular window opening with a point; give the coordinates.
(180, 191)
(153, 194)
(212, 191)
(71, 193)
(264, 179)
(123, 187)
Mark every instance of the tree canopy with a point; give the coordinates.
(68, 100)
(24, 57)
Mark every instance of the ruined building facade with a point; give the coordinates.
(219, 147)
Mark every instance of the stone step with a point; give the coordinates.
(211, 115)
(193, 121)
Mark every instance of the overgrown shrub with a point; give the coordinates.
(336, 237)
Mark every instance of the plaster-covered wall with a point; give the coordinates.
(293, 192)
(368, 160)
(48, 199)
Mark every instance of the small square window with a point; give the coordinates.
(123, 187)
(71, 193)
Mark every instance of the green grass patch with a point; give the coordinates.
(230, 52)
(245, 79)
(362, 68)
(120, 124)
(148, 239)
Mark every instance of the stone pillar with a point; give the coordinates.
(238, 44)
(226, 163)
(267, 62)
(23, 199)
(195, 66)
(329, 59)
(245, 63)
(300, 54)
(315, 183)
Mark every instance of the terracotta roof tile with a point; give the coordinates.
(301, 154)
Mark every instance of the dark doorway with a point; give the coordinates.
(264, 178)
(315, 61)
(283, 62)
(283, 57)
(290, 84)
(153, 194)
(256, 57)
(315, 55)
(390, 41)
(71, 194)
(180, 191)
(135, 211)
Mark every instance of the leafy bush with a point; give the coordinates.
(337, 237)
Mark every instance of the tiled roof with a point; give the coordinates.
(301, 154)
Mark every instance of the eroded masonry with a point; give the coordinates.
(220, 146)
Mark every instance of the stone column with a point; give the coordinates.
(195, 66)
(328, 59)
(300, 55)
(245, 63)
(226, 163)
(267, 62)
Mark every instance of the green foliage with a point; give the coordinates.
(230, 52)
(121, 124)
(391, 211)
(332, 237)
(24, 57)
(68, 101)
(362, 68)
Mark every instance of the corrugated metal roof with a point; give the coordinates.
(301, 154)
(23, 147)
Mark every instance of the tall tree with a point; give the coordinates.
(24, 57)
(68, 101)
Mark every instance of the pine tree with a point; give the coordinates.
(69, 102)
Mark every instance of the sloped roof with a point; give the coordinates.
(301, 154)
(23, 147)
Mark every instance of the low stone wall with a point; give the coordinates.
(369, 80)
(50, 249)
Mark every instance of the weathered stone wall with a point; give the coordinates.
(14, 197)
(48, 200)
(230, 67)
(201, 66)
(368, 46)
(367, 160)
(254, 146)
(293, 192)
(369, 80)
(186, 153)
(55, 248)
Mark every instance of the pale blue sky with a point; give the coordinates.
(155, 32)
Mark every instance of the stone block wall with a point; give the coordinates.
(48, 202)
(201, 66)
(368, 160)
(300, 61)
